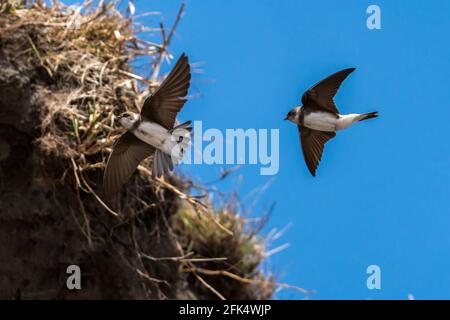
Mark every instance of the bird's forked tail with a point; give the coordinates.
(368, 115)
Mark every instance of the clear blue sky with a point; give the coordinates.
(381, 195)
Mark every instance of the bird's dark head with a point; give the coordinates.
(293, 114)
(127, 119)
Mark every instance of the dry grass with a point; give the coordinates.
(79, 59)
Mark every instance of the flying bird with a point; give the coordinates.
(318, 118)
(152, 132)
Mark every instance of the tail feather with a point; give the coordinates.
(162, 164)
(368, 115)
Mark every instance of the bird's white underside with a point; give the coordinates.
(324, 121)
(160, 138)
(153, 134)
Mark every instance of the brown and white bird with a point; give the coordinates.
(152, 132)
(318, 118)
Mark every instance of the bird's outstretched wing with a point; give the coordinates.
(313, 142)
(128, 152)
(320, 96)
(163, 106)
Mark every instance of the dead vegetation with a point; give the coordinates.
(65, 74)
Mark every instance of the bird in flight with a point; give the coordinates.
(152, 132)
(318, 118)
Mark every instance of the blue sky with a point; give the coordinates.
(381, 195)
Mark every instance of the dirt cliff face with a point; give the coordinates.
(41, 231)
(60, 89)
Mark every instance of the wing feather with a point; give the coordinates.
(128, 152)
(163, 106)
(320, 96)
(313, 142)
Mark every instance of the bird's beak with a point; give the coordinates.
(286, 118)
